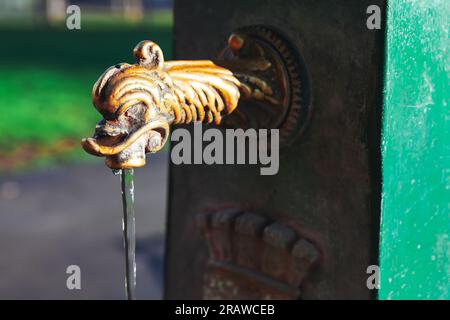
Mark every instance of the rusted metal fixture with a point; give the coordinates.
(274, 82)
(253, 257)
(140, 101)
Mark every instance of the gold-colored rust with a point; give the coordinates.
(181, 91)
(140, 101)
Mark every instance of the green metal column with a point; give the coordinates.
(415, 244)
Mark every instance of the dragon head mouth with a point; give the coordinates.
(135, 120)
(131, 126)
(125, 147)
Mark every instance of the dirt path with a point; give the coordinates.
(72, 216)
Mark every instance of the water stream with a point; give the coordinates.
(129, 231)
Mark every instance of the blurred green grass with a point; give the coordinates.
(47, 72)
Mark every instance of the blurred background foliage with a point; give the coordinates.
(47, 71)
(52, 194)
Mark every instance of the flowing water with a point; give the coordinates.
(129, 231)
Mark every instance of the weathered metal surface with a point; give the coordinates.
(327, 188)
(415, 246)
(140, 101)
(274, 81)
(253, 257)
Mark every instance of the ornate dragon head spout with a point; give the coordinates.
(139, 102)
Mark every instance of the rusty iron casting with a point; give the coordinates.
(275, 90)
(253, 256)
(140, 101)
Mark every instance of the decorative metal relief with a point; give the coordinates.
(251, 257)
(275, 85)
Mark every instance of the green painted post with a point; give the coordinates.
(415, 237)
